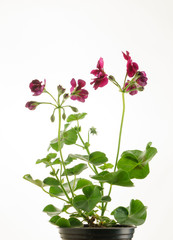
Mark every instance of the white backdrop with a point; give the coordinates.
(58, 40)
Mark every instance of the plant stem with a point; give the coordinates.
(119, 142)
(48, 103)
(45, 91)
(120, 133)
(60, 151)
(94, 168)
(55, 196)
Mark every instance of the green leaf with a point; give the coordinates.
(97, 158)
(37, 182)
(121, 214)
(135, 214)
(106, 199)
(54, 219)
(51, 181)
(75, 117)
(51, 156)
(106, 166)
(74, 222)
(62, 222)
(82, 183)
(135, 162)
(89, 200)
(81, 157)
(120, 178)
(56, 191)
(69, 159)
(75, 170)
(51, 210)
(54, 144)
(70, 137)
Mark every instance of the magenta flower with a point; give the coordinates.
(126, 56)
(132, 67)
(101, 77)
(130, 88)
(77, 93)
(142, 79)
(31, 105)
(37, 87)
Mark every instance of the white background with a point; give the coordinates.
(58, 40)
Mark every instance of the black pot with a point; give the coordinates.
(96, 233)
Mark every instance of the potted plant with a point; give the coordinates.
(86, 201)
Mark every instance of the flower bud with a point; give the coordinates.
(66, 95)
(61, 90)
(31, 105)
(52, 118)
(74, 109)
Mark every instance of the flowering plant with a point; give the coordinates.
(86, 200)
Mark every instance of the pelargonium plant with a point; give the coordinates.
(86, 201)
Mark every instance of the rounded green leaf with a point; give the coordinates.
(51, 181)
(70, 137)
(135, 214)
(74, 222)
(89, 200)
(75, 117)
(120, 178)
(75, 170)
(120, 214)
(56, 191)
(54, 219)
(97, 158)
(62, 222)
(82, 183)
(51, 210)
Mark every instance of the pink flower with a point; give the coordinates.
(31, 105)
(37, 87)
(77, 93)
(126, 56)
(101, 77)
(130, 88)
(142, 79)
(132, 68)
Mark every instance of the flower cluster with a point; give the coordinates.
(139, 79)
(77, 92)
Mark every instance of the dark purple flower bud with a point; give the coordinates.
(61, 90)
(37, 87)
(130, 88)
(141, 79)
(31, 105)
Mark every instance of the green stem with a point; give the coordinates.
(120, 133)
(60, 151)
(55, 196)
(45, 91)
(94, 169)
(48, 103)
(119, 142)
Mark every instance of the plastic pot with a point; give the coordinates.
(96, 233)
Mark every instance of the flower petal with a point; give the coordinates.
(100, 63)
